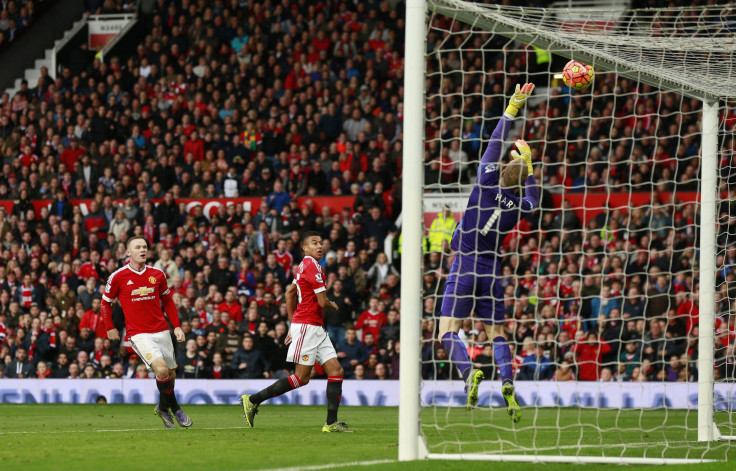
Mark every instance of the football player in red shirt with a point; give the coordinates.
(307, 339)
(141, 289)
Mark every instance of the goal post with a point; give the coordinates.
(707, 430)
(662, 49)
(413, 230)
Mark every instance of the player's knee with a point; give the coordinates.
(303, 379)
(161, 371)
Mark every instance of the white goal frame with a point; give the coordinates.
(411, 442)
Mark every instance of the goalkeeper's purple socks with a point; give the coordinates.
(502, 352)
(457, 353)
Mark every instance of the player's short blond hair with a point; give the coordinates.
(515, 173)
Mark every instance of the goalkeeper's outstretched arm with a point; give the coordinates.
(500, 134)
(531, 198)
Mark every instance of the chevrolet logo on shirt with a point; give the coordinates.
(142, 291)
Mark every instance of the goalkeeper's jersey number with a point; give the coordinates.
(492, 220)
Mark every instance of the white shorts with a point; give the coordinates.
(309, 344)
(151, 346)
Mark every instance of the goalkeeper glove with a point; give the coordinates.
(525, 153)
(519, 98)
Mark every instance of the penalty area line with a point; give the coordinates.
(333, 465)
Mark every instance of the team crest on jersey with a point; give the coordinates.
(152, 280)
(149, 356)
(142, 291)
(305, 358)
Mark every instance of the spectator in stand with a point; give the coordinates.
(248, 363)
(485, 362)
(217, 370)
(380, 272)
(28, 294)
(189, 364)
(92, 320)
(440, 231)
(20, 367)
(335, 320)
(278, 198)
(389, 333)
(565, 372)
(589, 353)
(61, 369)
(232, 307)
(228, 343)
(441, 368)
(351, 352)
(371, 320)
(659, 299)
(376, 226)
(537, 367)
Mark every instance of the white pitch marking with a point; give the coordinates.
(111, 430)
(333, 465)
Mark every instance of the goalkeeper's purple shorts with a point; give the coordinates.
(474, 287)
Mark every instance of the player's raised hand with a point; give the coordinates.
(113, 334)
(179, 334)
(524, 152)
(519, 97)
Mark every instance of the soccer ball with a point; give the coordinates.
(577, 75)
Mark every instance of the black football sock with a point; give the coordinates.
(278, 388)
(166, 390)
(334, 395)
(173, 403)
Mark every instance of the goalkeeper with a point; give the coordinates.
(495, 207)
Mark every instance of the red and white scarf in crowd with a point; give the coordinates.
(26, 293)
(149, 232)
(52, 336)
(32, 349)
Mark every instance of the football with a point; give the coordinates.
(577, 75)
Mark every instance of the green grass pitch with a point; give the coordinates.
(130, 437)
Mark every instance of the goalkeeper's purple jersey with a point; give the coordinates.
(492, 210)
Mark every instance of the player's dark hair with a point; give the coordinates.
(127, 244)
(306, 235)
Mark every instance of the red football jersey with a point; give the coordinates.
(285, 260)
(309, 281)
(139, 294)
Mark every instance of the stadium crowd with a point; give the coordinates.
(16, 17)
(280, 100)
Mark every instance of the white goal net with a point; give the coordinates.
(619, 291)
